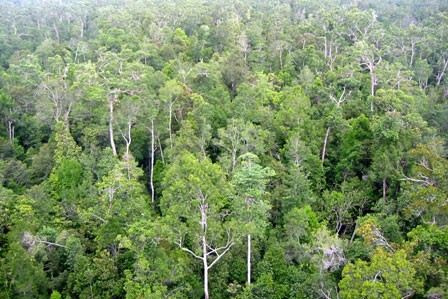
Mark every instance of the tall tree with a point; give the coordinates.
(196, 204)
(250, 180)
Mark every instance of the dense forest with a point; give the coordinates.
(224, 149)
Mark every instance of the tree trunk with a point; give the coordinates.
(249, 253)
(11, 131)
(170, 121)
(324, 149)
(161, 150)
(384, 189)
(111, 129)
(56, 31)
(234, 158)
(442, 73)
(325, 45)
(128, 139)
(281, 58)
(205, 264)
(412, 54)
(81, 34)
(372, 83)
(151, 175)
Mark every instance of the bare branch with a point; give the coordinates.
(99, 218)
(179, 243)
(220, 255)
(425, 181)
(381, 240)
(38, 239)
(326, 296)
(424, 164)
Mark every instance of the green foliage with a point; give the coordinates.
(26, 277)
(313, 131)
(301, 224)
(186, 182)
(55, 295)
(388, 275)
(426, 188)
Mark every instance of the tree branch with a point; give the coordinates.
(37, 239)
(99, 218)
(425, 182)
(188, 250)
(219, 256)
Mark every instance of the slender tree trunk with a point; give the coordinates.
(151, 175)
(81, 34)
(325, 46)
(11, 131)
(66, 119)
(170, 121)
(203, 208)
(442, 73)
(205, 264)
(56, 31)
(234, 158)
(281, 58)
(111, 129)
(324, 149)
(128, 139)
(412, 54)
(384, 189)
(372, 83)
(91, 288)
(161, 150)
(354, 233)
(249, 253)
(14, 26)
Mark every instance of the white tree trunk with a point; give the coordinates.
(205, 265)
(372, 83)
(111, 129)
(324, 149)
(128, 138)
(161, 150)
(207, 249)
(151, 174)
(11, 131)
(441, 74)
(249, 253)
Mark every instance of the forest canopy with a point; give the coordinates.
(223, 149)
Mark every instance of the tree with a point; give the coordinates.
(22, 79)
(121, 203)
(196, 206)
(171, 94)
(239, 138)
(333, 120)
(25, 276)
(234, 69)
(301, 226)
(122, 77)
(428, 250)
(65, 183)
(250, 180)
(56, 92)
(426, 187)
(388, 275)
(369, 58)
(355, 149)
